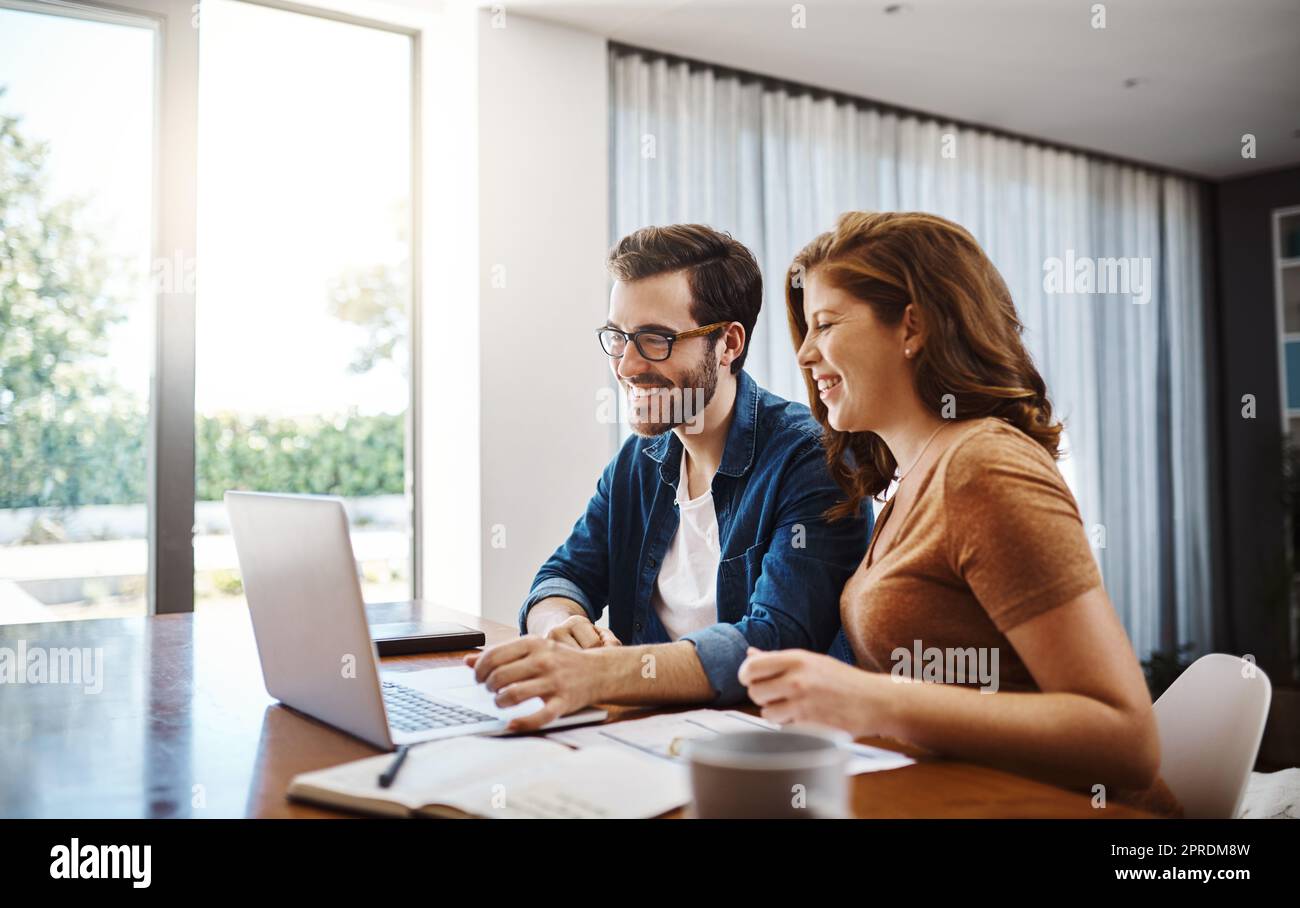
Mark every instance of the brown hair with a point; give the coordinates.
(725, 283)
(973, 349)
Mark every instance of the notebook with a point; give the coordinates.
(512, 778)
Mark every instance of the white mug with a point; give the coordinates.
(794, 773)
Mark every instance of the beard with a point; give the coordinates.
(681, 405)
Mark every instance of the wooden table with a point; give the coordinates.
(183, 727)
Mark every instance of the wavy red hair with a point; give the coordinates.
(973, 348)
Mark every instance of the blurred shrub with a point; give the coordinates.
(353, 456)
(103, 460)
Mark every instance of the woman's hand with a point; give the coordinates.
(795, 685)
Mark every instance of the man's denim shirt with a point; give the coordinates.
(782, 567)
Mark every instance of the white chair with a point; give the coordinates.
(1211, 720)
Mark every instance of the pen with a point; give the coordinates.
(389, 774)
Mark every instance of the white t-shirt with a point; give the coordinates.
(686, 591)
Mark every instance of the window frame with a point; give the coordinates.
(171, 450)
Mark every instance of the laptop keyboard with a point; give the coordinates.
(410, 710)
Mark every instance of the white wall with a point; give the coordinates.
(449, 357)
(543, 152)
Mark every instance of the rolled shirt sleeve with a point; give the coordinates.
(555, 586)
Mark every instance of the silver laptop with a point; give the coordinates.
(317, 654)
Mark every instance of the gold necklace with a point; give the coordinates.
(912, 465)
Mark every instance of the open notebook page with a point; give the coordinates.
(497, 777)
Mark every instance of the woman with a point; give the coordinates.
(979, 572)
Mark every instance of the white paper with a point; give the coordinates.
(663, 736)
(594, 783)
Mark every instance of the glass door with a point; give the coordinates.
(77, 327)
(305, 232)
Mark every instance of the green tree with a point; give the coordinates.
(69, 435)
(376, 298)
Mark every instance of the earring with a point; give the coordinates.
(907, 351)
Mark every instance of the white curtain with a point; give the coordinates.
(774, 165)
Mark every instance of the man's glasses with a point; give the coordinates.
(652, 345)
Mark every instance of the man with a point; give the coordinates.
(705, 535)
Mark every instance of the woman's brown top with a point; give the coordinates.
(992, 539)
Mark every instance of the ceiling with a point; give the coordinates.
(1206, 72)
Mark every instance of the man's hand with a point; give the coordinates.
(565, 621)
(795, 685)
(565, 677)
(578, 631)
